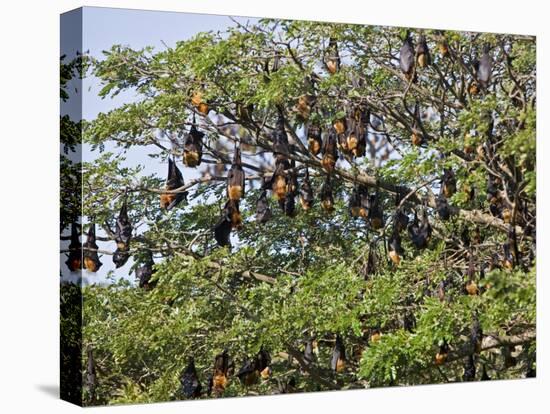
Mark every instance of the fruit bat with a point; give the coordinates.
(395, 250)
(340, 126)
(442, 354)
(406, 58)
(356, 134)
(309, 351)
(338, 361)
(369, 268)
(235, 178)
(174, 180)
(91, 257)
(248, 374)
(442, 44)
(192, 148)
(417, 137)
(190, 384)
(400, 219)
(280, 139)
(442, 208)
(219, 378)
(314, 140)
(471, 285)
(91, 373)
(197, 100)
(376, 215)
(263, 212)
(330, 153)
(359, 202)
(306, 192)
(508, 261)
(230, 219)
(288, 204)
(448, 183)
(123, 235)
(279, 184)
(484, 68)
(74, 258)
(423, 58)
(145, 272)
(469, 369)
(264, 363)
(509, 359)
(476, 336)
(303, 106)
(327, 200)
(420, 231)
(332, 58)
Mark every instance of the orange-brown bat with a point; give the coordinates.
(91, 257)
(330, 154)
(441, 356)
(279, 184)
(192, 149)
(220, 376)
(359, 202)
(423, 58)
(197, 100)
(281, 147)
(332, 58)
(123, 236)
(174, 181)
(229, 220)
(376, 215)
(471, 285)
(356, 141)
(417, 137)
(235, 178)
(395, 251)
(327, 200)
(74, 258)
(338, 361)
(448, 183)
(314, 140)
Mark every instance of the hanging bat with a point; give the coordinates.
(369, 267)
(484, 68)
(442, 208)
(74, 258)
(248, 374)
(279, 183)
(338, 361)
(174, 180)
(357, 132)
(327, 200)
(190, 384)
(340, 126)
(423, 57)
(303, 106)
(330, 154)
(263, 212)
(288, 204)
(359, 202)
(471, 285)
(376, 216)
(192, 147)
(400, 219)
(417, 137)
(332, 58)
(91, 257)
(197, 100)
(420, 231)
(448, 183)
(145, 272)
(306, 192)
(314, 140)
(281, 148)
(442, 354)
(229, 220)
(264, 364)
(219, 378)
(476, 335)
(235, 178)
(123, 235)
(406, 58)
(469, 369)
(394, 247)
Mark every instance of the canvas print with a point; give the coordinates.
(255, 206)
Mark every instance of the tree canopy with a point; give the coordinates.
(377, 227)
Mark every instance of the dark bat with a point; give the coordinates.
(190, 384)
(338, 361)
(469, 369)
(264, 363)
(306, 192)
(406, 58)
(281, 147)
(471, 285)
(423, 57)
(314, 140)
(192, 147)
(145, 272)
(420, 231)
(400, 219)
(332, 58)
(123, 236)
(219, 378)
(174, 181)
(376, 215)
(330, 154)
(369, 268)
(91, 257)
(417, 137)
(442, 208)
(230, 219)
(484, 68)
(359, 202)
(327, 200)
(309, 352)
(235, 178)
(448, 183)
(263, 212)
(395, 251)
(248, 374)
(74, 258)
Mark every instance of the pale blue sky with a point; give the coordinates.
(104, 27)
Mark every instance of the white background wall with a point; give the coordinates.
(29, 64)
